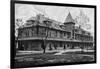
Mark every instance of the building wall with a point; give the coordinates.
(31, 32)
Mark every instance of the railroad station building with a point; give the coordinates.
(57, 35)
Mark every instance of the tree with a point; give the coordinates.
(82, 19)
(18, 24)
(82, 48)
(48, 24)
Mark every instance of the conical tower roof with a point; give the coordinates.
(69, 18)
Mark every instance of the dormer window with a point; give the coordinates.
(31, 21)
(83, 32)
(88, 33)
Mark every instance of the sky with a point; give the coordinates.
(58, 13)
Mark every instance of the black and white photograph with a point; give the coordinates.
(50, 34)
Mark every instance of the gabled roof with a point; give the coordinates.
(69, 18)
(32, 22)
(32, 18)
(42, 18)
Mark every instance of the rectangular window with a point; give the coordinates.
(42, 31)
(34, 31)
(68, 35)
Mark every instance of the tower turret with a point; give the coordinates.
(69, 22)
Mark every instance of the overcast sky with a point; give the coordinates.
(58, 13)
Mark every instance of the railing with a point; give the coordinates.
(41, 37)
